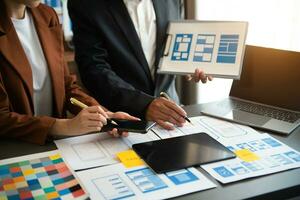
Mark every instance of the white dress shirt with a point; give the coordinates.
(143, 16)
(42, 87)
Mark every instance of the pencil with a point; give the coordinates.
(163, 94)
(78, 103)
(82, 105)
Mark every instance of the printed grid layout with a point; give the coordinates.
(228, 49)
(115, 187)
(204, 48)
(182, 47)
(44, 178)
(182, 176)
(275, 160)
(146, 180)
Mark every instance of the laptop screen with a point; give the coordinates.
(270, 76)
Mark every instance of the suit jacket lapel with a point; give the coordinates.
(161, 11)
(51, 41)
(12, 50)
(122, 17)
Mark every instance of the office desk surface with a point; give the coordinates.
(275, 186)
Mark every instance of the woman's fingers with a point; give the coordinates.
(116, 133)
(123, 115)
(95, 113)
(96, 109)
(97, 117)
(124, 134)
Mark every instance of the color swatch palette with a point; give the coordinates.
(42, 178)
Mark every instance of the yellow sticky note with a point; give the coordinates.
(130, 159)
(246, 155)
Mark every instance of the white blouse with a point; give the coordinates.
(42, 87)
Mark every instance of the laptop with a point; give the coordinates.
(268, 94)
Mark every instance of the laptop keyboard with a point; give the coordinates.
(282, 115)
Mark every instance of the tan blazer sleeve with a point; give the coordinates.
(71, 87)
(73, 90)
(24, 127)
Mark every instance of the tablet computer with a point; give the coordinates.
(182, 152)
(129, 126)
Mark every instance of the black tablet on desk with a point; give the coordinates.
(182, 152)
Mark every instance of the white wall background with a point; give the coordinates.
(272, 23)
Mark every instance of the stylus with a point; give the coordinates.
(82, 106)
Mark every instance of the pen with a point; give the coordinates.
(163, 94)
(82, 105)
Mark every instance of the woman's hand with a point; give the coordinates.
(199, 75)
(120, 115)
(90, 119)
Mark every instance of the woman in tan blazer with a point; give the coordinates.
(31, 109)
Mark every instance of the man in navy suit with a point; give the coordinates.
(118, 44)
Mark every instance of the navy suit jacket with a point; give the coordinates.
(110, 57)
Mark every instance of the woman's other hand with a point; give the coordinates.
(90, 119)
(120, 115)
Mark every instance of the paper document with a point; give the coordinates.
(214, 127)
(98, 149)
(216, 46)
(135, 138)
(258, 155)
(118, 182)
(39, 176)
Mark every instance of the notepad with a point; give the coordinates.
(246, 155)
(130, 159)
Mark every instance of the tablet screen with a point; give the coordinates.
(182, 152)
